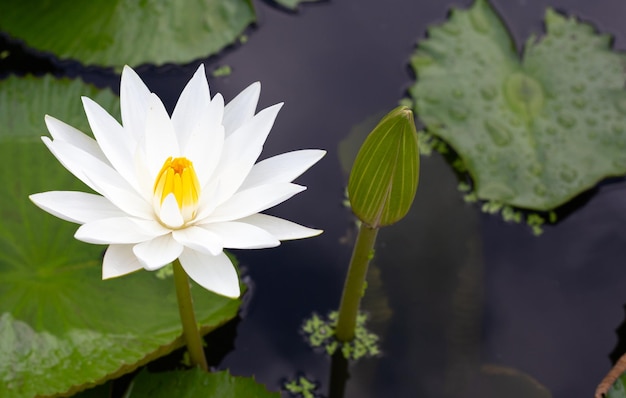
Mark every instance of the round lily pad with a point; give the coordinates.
(115, 33)
(196, 383)
(534, 132)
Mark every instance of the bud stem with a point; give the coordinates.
(188, 317)
(355, 282)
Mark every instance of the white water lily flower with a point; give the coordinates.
(184, 187)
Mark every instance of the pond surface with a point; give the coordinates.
(466, 305)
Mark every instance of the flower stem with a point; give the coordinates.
(188, 317)
(355, 282)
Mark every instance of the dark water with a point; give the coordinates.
(466, 305)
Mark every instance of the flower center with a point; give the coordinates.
(178, 177)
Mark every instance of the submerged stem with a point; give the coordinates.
(188, 317)
(355, 282)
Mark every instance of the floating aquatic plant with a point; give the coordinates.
(195, 383)
(321, 332)
(302, 387)
(533, 132)
(97, 32)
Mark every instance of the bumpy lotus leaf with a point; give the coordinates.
(533, 133)
(62, 328)
(196, 383)
(115, 33)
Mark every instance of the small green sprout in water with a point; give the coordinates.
(428, 143)
(459, 165)
(509, 214)
(424, 142)
(301, 386)
(492, 207)
(469, 195)
(222, 71)
(552, 217)
(535, 221)
(320, 333)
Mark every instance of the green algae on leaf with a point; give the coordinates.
(532, 133)
(194, 383)
(62, 328)
(115, 33)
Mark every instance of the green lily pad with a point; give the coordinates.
(532, 133)
(196, 383)
(115, 33)
(62, 328)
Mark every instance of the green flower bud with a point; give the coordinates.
(385, 173)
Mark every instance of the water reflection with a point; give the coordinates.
(553, 303)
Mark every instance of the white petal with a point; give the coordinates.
(160, 140)
(251, 201)
(207, 202)
(192, 104)
(156, 253)
(199, 239)
(124, 198)
(134, 98)
(206, 141)
(237, 235)
(241, 150)
(214, 273)
(99, 176)
(119, 260)
(241, 108)
(145, 179)
(205, 154)
(119, 230)
(80, 163)
(282, 168)
(280, 228)
(215, 112)
(169, 213)
(114, 141)
(77, 207)
(64, 132)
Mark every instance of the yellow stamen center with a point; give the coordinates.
(177, 176)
